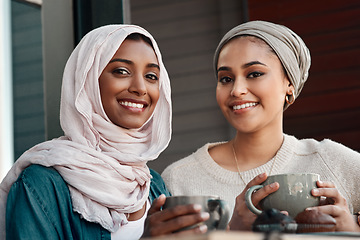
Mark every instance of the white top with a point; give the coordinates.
(133, 230)
(199, 174)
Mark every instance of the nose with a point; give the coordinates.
(138, 86)
(239, 88)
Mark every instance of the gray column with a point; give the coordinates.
(58, 42)
(6, 105)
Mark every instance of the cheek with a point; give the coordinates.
(218, 98)
(155, 94)
(105, 85)
(221, 95)
(103, 93)
(273, 97)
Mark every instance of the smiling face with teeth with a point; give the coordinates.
(251, 85)
(129, 84)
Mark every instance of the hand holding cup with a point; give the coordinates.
(294, 194)
(218, 210)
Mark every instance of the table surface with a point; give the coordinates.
(235, 235)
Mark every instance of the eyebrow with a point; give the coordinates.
(246, 65)
(150, 65)
(253, 63)
(223, 69)
(121, 60)
(153, 65)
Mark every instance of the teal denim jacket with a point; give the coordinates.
(39, 207)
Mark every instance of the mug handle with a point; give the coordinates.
(248, 201)
(224, 212)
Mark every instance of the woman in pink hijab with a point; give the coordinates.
(93, 182)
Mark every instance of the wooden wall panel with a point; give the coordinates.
(280, 10)
(329, 106)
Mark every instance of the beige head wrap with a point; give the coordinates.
(104, 165)
(288, 46)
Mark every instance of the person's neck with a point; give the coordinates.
(255, 149)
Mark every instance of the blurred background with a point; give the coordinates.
(37, 37)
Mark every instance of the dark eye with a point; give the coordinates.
(152, 76)
(121, 71)
(255, 74)
(225, 79)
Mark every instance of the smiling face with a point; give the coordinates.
(251, 85)
(129, 84)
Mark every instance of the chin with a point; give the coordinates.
(133, 125)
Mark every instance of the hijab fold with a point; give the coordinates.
(103, 165)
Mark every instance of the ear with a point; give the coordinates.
(288, 86)
(290, 89)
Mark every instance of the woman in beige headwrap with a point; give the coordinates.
(261, 68)
(93, 183)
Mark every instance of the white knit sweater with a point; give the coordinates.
(199, 174)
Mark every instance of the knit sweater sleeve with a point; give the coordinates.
(345, 164)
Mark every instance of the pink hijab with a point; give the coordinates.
(104, 165)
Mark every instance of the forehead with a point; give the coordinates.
(247, 40)
(245, 48)
(252, 39)
(131, 47)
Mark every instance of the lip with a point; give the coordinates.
(243, 106)
(130, 102)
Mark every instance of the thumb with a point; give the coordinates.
(157, 204)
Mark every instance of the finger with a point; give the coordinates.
(259, 179)
(344, 219)
(325, 184)
(178, 223)
(263, 192)
(197, 230)
(157, 204)
(332, 193)
(179, 210)
(332, 210)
